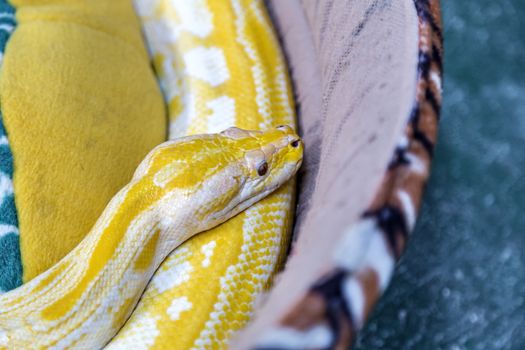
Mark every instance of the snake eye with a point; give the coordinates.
(295, 144)
(262, 169)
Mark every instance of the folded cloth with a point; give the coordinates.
(10, 264)
(82, 108)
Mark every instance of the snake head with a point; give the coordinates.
(216, 176)
(261, 162)
(270, 158)
(254, 164)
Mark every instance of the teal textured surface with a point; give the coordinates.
(10, 261)
(461, 283)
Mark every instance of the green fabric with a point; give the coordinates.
(10, 262)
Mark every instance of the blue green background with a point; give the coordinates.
(461, 283)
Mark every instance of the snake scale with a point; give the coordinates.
(182, 187)
(219, 65)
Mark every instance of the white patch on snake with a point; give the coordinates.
(193, 119)
(4, 340)
(261, 95)
(194, 18)
(223, 114)
(258, 74)
(175, 271)
(159, 34)
(178, 306)
(42, 297)
(145, 8)
(255, 226)
(281, 76)
(102, 316)
(166, 174)
(207, 250)
(281, 82)
(179, 123)
(207, 64)
(170, 81)
(140, 335)
(102, 319)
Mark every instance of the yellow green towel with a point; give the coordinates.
(82, 108)
(10, 264)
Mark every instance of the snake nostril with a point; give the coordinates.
(295, 143)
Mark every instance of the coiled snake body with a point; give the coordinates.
(220, 65)
(183, 187)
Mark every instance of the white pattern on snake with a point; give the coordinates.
(226, 69)
(183, 187)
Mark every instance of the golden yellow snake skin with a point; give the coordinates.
(220, 65)
(183, 187)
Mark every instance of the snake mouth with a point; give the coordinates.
(254, 198)
(251, 200)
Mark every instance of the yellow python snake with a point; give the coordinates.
(220, 65)
(182, 187)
